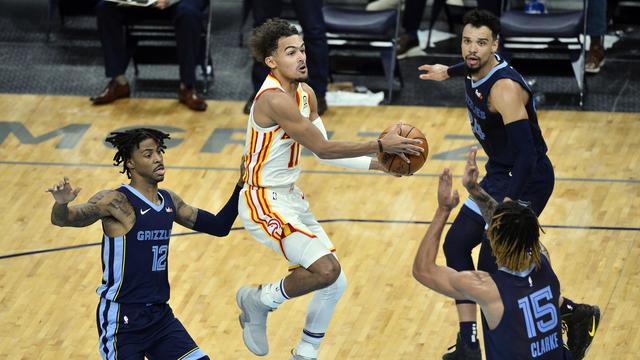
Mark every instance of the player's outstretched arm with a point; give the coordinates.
(425, 269)
(439, 72)
(206, 222)
(103, 204)
(280, 108)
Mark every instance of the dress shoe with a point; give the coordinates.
(111, 93)
(190, 98)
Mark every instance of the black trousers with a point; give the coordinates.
(309, 13)
(186, 16)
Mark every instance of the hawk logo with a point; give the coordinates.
(274, 227)
(479, 95)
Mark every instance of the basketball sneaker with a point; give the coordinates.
(581, 325)
(462, 352)
(253, 320)
(295, 356)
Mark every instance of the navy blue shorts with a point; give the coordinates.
(133, 331)
(537, 191)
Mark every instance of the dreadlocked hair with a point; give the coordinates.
(126, 141)
(264, 40)
(514, 234)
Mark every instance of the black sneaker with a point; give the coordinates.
(462, 352)
(581, 325)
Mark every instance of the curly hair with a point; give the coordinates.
(126, 141)
(478, 18)
(514, 234)
(264, 39)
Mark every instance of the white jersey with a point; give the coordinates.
(271, 156)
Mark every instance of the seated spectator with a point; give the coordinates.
(187, 19)
(596, 29)
(412, 16)
(309, 14)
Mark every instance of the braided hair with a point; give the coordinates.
(514, 234)
(126, 141)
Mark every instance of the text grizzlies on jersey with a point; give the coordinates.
(473, 108)
(544, 345)
(153, 235)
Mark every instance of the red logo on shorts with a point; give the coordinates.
(274, 227)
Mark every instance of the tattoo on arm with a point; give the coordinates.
(185, 214)
(485, 202)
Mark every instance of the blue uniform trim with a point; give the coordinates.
(114, 254)
(194, 354)
(155, 207)
(108, 317)
(521, 274)
(475, 84)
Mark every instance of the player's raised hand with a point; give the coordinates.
(437, 72)
(471, 172)
(62, 192)
(447, 199)
(393, 143)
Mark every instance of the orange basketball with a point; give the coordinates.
(394, 163)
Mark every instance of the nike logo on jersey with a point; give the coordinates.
(142, 212)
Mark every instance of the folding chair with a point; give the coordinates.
(556, 32)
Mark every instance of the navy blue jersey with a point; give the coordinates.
(488, 127)
(134, 266)
(530, 327)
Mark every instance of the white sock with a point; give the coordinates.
(273, 294)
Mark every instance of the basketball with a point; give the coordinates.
(394, 163)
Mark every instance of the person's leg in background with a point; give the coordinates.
(110, 19)
(596, 29)
(411, 18)
(314, 32)
(188, 26)
(493, 6)
(262, 10)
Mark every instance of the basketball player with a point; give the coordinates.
(519, 300)
(283, 118)
(503, 118)
(133, 317)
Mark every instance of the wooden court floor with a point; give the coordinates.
(48, 275)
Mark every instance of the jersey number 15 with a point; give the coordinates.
(535, 307)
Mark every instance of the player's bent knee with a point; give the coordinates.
(327, 270)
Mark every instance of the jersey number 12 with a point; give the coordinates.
(159, 257)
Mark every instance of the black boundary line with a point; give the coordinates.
(409, 222)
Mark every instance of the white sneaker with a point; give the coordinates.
(253, 320)
(379, 5)
(295, 356)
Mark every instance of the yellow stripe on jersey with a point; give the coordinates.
(267, 140)
(124, 258)
(249, 154)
